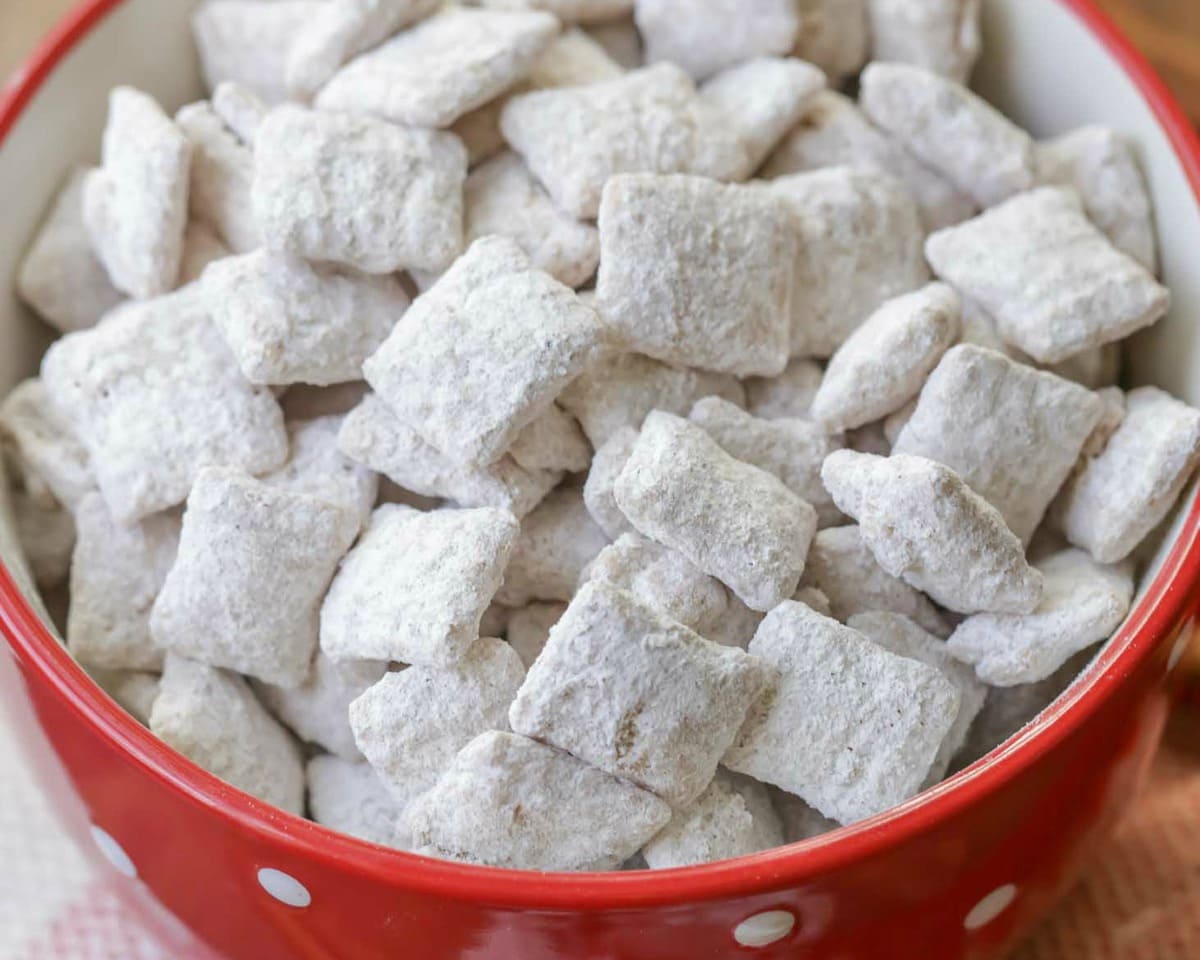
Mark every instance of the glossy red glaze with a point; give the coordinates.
(899, 885)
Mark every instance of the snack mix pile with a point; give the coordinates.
(573, 435)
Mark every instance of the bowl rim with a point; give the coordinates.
(1161, 608)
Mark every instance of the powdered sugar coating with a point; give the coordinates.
(833, 35)
(529, 629)
(222, 176)
(598, 495)
(939, 35)
(317, 467)
(788, 395)
(349, 797)
(43, 444)
(554, 441)
(240, 109)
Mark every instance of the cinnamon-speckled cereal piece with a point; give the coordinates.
(222, 175)
(950, 130)
(212, 718)
(558, 540)
(788, 395)
(630, 691)
(734, 521)
(883, 363)
(598, 496)
(790, 449)
(834, 36)
(135, 205)
(288, 321)
(705, 36)
(1101, 165)
(696, 273)
(660, 578)
(860, 245)
(372, 435)
(939, 35)
(484, 352)
(529, 629)
(1121, 495)
(1011, 432)
(60, 276)
(761, 100)
(44, 446)
(507, 801)
(154, 395)
(732, 818)
(317, 467)
(234, 598)
(317, 711)
(445, 66)
(924, 524)
(899, 635)
(842, 567)
(1053, 282)
(116, 574)
(1083, 604)
(849, 727)
(648, 121)
(416, 585)
(502, 197)
(358, 191)
(411, 724)
(349, 797)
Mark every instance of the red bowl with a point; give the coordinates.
(961, 871)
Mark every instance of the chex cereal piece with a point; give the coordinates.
(44, 445)
(570, 11)
(201, 247)
(416, 585)
(222, 175)
(479, 131)
(411, 723)
(842, 567)
(484, 352)
(554, 441)
(790, 449)
(630, 691)
(116, 574)
(736, 626)
(502, 197)
(288, 321)
(814, 598)
(1100, 164)
(899, 635)
(154, 395)
(1083, 604)
(248, 42)
(1121, 495)
(799, 820)
(734, 521)
(951, 130)
(434, 72)
(834, 36)
(60, 276)
(316, 466)
(372, 435)
(570, 59)
(860, 245)
(558, 540)
(647, 121)
(924, 524)
(135, 205)
(620, 40)
(834, 132)
(317, 710)
(660, 578)
(705, 36)
(1112, 415)
(507, 801)
(598, 495)
(618, 390)
(134, 690)
(1053, 282)
(883, 363)
(720, 300)
(850, 728)
(349, 797)
(939, 35)
(788, 395)
(529, 629)
(46, 533)
(342, 30)
(1011, 432)
(235, 598)
(240, 109)
(358, 191)
(212, 718)
(895, 422)
(762, 100)
(732, 818)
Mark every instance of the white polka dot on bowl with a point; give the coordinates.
(113, 852)
(990, 907)
(764, 928)
(284, 887)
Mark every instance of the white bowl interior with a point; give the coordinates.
(1041, 66)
